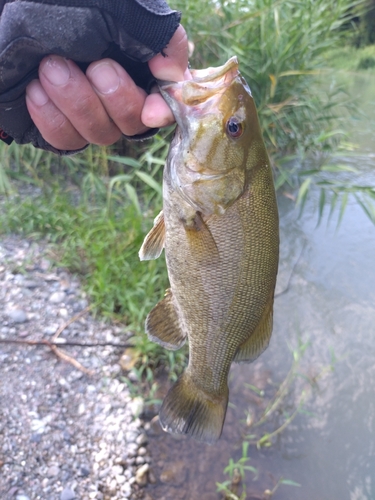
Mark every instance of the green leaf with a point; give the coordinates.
(344, 201)
(322, 200)
(339, 168)
(303, 190)
(133, 197)
(147, 179)
(125, 160)
(289, 482)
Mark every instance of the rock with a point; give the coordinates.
(117, 470)
(50, 329)
(136, 406)
(141, 439)
(67, 494)
(142, 451)
(53, 471)
(141, 476)
(57, 297)
(81, 409)
(129, 359)
(21, 496)
(174, 473)
(63, 312)
(30, 284)
(80, 305)
(45, 264)
(17, 315)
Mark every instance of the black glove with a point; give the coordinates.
(129, 31)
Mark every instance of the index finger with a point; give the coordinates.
(172, 64)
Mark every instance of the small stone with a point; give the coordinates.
(67, 494)
(53, 471)
(136, 406)
(50, 329)
(30, 284)
(81, 409)
(85, 472)
(142, 451)
(17, 316)
(45, 264)
(63, 312)
(174, 473)
(141, 439)
(141, 475)
(129, 359)
(120, 479)
(21, 496)
(57, 297)
(80, 305)
(117, 470)
(36, 438)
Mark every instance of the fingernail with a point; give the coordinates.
(36, 93)
(56, 70)
(105, 78)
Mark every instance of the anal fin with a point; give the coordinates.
(258, 341)
(163, 325)
(154, 242)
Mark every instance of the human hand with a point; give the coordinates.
(72, 109)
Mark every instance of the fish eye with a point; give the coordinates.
(234, 127)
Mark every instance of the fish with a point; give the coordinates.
(220, 233)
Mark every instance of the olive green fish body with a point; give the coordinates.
(219, 230)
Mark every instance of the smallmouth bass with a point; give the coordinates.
(219, 229)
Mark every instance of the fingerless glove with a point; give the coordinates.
(128, 31)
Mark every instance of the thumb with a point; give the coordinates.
(172, 65)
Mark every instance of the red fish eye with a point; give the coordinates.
(234, 127)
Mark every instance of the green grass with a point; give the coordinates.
(349, 58)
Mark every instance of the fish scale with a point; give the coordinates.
(219, 229)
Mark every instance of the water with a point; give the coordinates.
(329, 447)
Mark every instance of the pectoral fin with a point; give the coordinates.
(201, 241)
(163, 325)
(258, 341)
(154, 242)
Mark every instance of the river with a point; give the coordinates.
(327, 443)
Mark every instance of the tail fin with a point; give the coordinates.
(188, 410)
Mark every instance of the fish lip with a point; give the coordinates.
(208, 74)
(206, 174)
(219, 77)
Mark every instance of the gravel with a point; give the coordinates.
(64, 435)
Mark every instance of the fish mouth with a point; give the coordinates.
(205, 84)
(203, 173)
